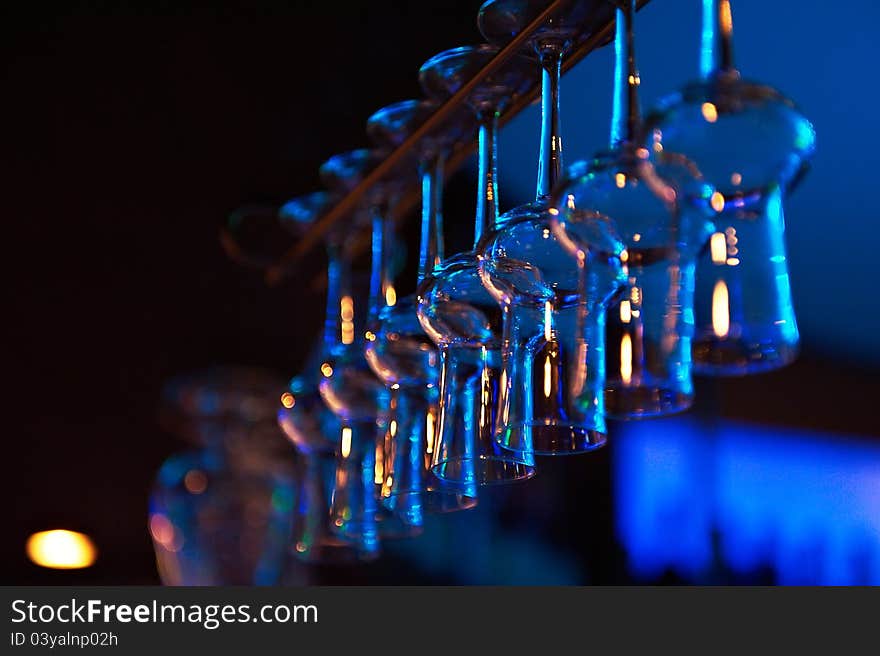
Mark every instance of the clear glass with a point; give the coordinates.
(221, 515)
(397, 348)
(752, 144)
(553, 307)
(213, 524)
(456, 311)
(355, 394)
(661, 211)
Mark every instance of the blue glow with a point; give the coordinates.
(806, 504)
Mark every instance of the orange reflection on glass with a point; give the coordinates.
(620, 180)
(288, 400)
(710, 112)
(720, 309)
(717, 201)
(625, 312)
(718, 248)
(626, 359)
(327, 370)
(345, 446)
(61, 549)
(195, 481)
(390, 296)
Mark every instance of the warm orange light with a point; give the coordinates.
(626, 359)
(720, 309)
(710, 112)
(548, 381)
(195, 481)
(430, 424)
(61, 549)
(620, 180)
(625, 312)
(288, 400)
(390, 296)
(327, 370)
(736, 179)
(718, 248)
(725, 17)
(717, 201)
(345, 446)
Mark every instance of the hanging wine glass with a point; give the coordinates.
(314, 430)
(662, 212)
(348, 386)
(456, 311)
(553, 307)
(397, 347)
(752, 143)
(222, 515)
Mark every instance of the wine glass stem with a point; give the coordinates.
(625, 116)
(339, 320)
(487, 189)
(431, 247)
(550, 154)
(716, 48)
(381, 285)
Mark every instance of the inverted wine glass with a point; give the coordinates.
(553, 307)
(397, 347)
(356, 395)
(661, 210)
(221, 515)
(303, 416)
(456, 311)
(753, 145)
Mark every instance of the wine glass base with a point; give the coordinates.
(483, 470)
(542, 439)
(641, 402)
(736, 357)
(429, 502)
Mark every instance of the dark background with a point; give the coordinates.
(132, 129)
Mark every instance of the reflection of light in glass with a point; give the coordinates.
(430, 422)
(626, 359)
(625, 312)
(710, 112)
(390, 296)
(379, 466)
(726, 18)
(570, 202)
(327, 370)
(195, 481)
(637, 237)
(732, 261)
(288, 400)
(620, 180)
(345, 447)
(720, 309)
(718, 248)
(548, 382)
(60, 549)
(346, 312)
(717, 201)
(736, 179)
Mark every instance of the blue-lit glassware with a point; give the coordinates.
(753, 145)
(456, 311)
(553, 306)
(348, 385)
(304, 417)
(397, 347)
(222, 515)
(661, 211)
